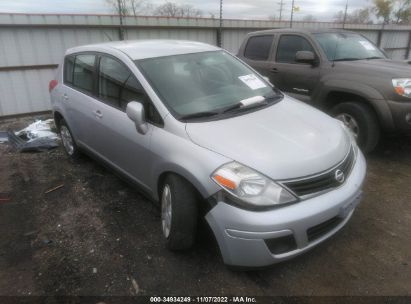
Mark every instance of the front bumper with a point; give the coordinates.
(244, 236)
(401, 115)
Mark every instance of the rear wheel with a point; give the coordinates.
(179, 213)
(68, 141)
(361, 121)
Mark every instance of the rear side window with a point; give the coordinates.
(68, 69)
(83, 72)
(289, 45)
(258, 47)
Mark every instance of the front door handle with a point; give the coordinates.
(274, 70)
(98, 113)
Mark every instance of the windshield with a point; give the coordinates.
(201, 84)
(347, 46)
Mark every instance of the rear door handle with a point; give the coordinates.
(274, 70)
(65, 96)
(98, 113)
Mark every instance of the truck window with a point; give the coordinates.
(83, 72)
(289, 45)
(258, 47)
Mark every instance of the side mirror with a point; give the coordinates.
(305, 57)
(135, 111)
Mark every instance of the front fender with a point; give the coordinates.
(179, 155)
(371, 95)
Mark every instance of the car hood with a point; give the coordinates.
(383, 67)
(287, 140)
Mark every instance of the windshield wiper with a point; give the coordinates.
(374, 57)
(346, 59)
(240, 105)
(200, 114)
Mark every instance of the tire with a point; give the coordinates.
(181, 199)
(69, 144)
(360, 117)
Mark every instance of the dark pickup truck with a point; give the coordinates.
(340, 72)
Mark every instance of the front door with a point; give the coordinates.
(114, 136)
(297, 79)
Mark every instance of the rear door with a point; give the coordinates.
(78, 92)
(295, 78)
(257, 53)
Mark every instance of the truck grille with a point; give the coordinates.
(321, 182)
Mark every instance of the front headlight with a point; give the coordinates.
(402, 86)
(250, 187)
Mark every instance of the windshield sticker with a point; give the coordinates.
(367, 45)
(252, 81)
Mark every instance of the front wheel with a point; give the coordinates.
(179, 212)
(361, 121)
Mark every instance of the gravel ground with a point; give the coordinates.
(96, 235)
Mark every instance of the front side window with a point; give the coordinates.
(118, 86)
(83, 72)
(112, 79)
(347, 46)
(258, 47)
(203, 83)
(288, 47)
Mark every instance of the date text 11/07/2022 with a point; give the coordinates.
(198, 299)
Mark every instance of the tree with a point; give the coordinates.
(309, 18)
(402, 11)
(362, 15)
(130, 7)
(120, 6)
(383, 9)
(171, 9)
(138, 7)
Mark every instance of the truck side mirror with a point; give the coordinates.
(305, 57)
(135, 111)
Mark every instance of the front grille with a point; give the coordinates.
(321, 182)
(319, 230)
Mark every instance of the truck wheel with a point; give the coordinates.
(179, 212)
(362, 122)
(68, 141)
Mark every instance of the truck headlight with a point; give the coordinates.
(250, 187)
(402, 86)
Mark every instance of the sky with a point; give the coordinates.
(322, 10)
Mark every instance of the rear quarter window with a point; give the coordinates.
(258, 47)
(68, 69)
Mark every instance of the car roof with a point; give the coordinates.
(300, 30)
(140, 49)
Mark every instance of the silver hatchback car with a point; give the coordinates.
(198, 130)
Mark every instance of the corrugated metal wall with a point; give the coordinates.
(32, 45)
